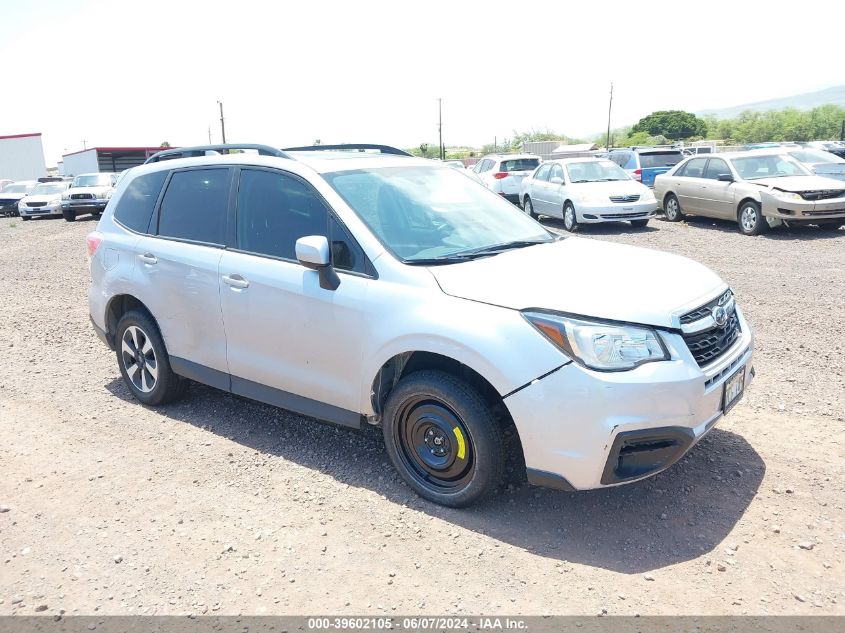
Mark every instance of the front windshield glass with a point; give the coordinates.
(48, 188)
(815, 156)
(429, 213)
(17, 188)
(92, 180)
(596, 171)
(773, 166)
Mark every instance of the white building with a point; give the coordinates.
(99, 159)
(22, 157)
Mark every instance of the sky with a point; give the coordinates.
(140, 72)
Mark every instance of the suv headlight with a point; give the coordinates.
(21, 204)
(601, 346)
(65, 196)
(785, 195)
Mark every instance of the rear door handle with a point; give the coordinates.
(148, 258)
(235, 281)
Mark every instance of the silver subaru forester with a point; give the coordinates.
(357, 284)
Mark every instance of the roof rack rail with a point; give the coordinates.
(360, 147)
(202, 150)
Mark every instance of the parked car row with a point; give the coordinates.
(86, 193)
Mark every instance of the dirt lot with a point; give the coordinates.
(220, 505)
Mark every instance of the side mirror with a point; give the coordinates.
(312, 251)
(725, 178)
(557, 180)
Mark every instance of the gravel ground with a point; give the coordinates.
(220, 505)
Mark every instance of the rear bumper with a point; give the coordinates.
(513, 198)
(101, 333)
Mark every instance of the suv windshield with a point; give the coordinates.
(520, 164)
(423, 214)
(92, 180)
(48, 188)
(592, 171)
(756, 167)
(660, 159)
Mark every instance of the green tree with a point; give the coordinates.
(673, 124)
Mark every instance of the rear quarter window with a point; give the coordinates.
(135, 207)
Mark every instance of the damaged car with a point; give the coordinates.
(756, 189)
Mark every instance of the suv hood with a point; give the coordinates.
(585, 277)
(797, 184)
(47, 197)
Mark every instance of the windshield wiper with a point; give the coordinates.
(495, 249)
(438, 261)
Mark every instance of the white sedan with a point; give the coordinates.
(586, 191)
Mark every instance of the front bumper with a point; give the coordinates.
(583, 429)
(805, 210)
(50, 209)
(615, 212)
(84, 205)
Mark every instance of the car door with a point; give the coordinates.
(690, 186)
(556, 186)
(716, 196)
(539, 188)
(176, 270)
(290, 342)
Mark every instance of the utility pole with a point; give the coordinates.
(222, 124)
(842, 133)
(84, 144)
(609, 108)
(209, 135)
(441, 152)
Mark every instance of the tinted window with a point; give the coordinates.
(346, 254)
(715, 168)
(136, 205)
(660, 159)
(543, 172)
(275, 210)
(194, 206)
(695, 168)
(520, 164)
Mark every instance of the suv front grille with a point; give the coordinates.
(622, 199)
(82, 196)
(708, 345)
(822, 195)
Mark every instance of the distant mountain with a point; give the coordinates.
(806, 101)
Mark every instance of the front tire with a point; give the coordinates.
(750, 219)
(25, 218)
(529, 208)
(570, 220)
(443, 439)
(143, 361)
(69, 216)
(672, 208)
(639, 224)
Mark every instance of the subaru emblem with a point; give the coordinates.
(720, 316)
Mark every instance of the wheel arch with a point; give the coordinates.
(666, 197)
(748, 198)
(406, 363)
(119, 305)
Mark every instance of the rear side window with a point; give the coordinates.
(194, 206)
(136, 205)
(520, 164)
(660, 159)
(275, 210)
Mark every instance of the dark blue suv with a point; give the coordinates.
(644, 163)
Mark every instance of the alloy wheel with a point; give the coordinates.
(671, 208)
(748, 217)
(139, 359)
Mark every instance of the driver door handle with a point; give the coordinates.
(148, 258)
(235, 281)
